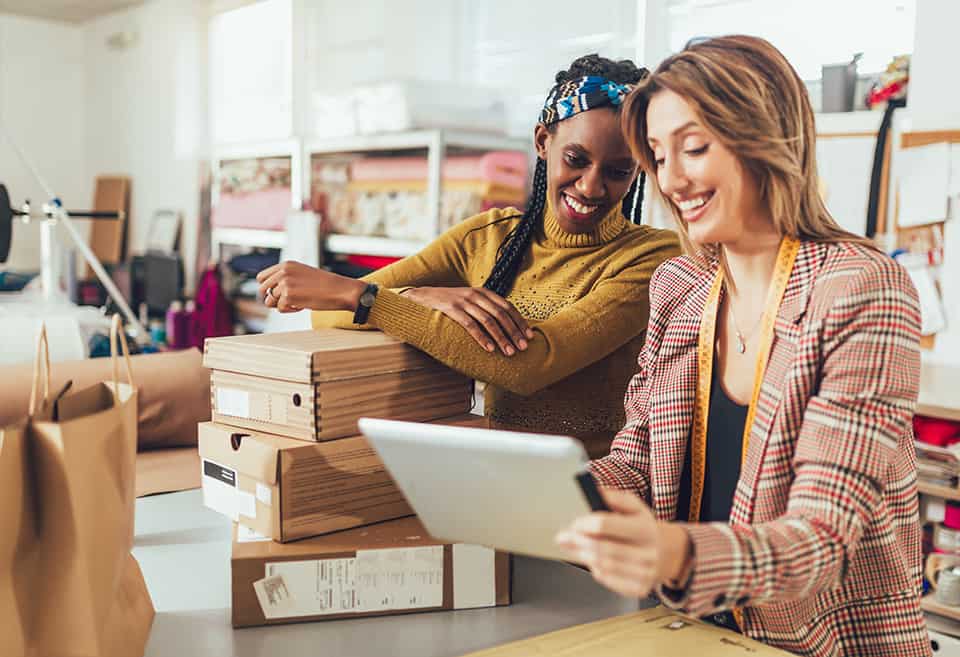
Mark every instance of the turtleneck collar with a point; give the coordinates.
(607, 229)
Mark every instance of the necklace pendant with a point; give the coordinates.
(741, 346)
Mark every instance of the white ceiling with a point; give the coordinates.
(68, 11)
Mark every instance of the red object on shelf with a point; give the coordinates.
(934, 431)
(370, 261)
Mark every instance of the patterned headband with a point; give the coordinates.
(574, 96)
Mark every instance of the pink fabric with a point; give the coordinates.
(508, 168)
(265, 210)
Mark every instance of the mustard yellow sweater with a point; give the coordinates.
(584, 295)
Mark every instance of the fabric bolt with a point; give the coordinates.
(822, 549)
(586, 299)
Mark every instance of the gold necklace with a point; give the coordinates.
(741, 340)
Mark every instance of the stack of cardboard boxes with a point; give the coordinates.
(282, 459)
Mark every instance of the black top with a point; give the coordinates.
(725, 422)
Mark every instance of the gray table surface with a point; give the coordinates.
(184, 551)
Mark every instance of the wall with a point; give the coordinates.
(42, 106)
(146, 111)
(934, 96)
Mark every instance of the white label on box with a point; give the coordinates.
(320, 587)
(264, 494)
(474, 576)
(274, 596)
(231, 401)
(400, 578)
(246, 504)
(219, 488)
(278, 409)
(247, 535)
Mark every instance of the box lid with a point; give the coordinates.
(406, 532)
(654, 632)
(315, 355)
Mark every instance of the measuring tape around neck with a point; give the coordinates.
(786, 256)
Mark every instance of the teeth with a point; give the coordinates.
(579, 207)
(692, 204)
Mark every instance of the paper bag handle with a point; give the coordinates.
(42, 362)
(116, 328)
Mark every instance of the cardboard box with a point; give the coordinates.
(289, 489)
(656, 632)
(314, 385)
(390, 568)
(315, 355)
(328, 410)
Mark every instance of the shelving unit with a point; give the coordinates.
(373, 246)
(943, 492)
(250, 237)
(247, 237)
(291, 148)
(435, 142)
(939, 398)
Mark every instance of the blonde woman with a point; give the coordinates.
(767, 462)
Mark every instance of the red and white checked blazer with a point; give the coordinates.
(823, 545)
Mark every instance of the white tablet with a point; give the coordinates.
(511, 491)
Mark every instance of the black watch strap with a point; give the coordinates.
(367, 298)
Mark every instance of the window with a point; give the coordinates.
(250, 72)
(810, 33)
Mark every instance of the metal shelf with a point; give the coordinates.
(943, 492)
(930, 605)
(415, 139)
(275, 239)
(374, 246)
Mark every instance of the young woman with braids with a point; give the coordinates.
(548, 306)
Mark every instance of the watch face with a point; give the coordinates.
(367, 299)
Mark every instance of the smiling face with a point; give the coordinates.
(589, 167)
(714, 195)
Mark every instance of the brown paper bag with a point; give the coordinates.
(15, 536)
(68, 576)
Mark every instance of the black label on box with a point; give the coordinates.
(220, 473)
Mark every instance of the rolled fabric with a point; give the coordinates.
(174, 392)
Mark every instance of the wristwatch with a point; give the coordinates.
(367, 298)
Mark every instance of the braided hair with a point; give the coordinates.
(515, 245)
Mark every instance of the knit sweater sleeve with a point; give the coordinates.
(614, 312)
(443, 262)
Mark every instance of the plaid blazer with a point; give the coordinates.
(822, 550)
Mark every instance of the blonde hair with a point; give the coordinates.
(744, 91)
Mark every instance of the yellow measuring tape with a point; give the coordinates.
(786, 256)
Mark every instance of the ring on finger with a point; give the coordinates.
(270, 292)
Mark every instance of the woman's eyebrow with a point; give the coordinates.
(625, 161)
(682, 128)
